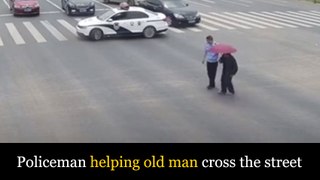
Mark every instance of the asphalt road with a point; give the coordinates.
(57, 87)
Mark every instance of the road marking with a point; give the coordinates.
(53, 30)
(68, 26)
(194, 29)
(6, 3)
(225, 21)
(238, 20)
(175, 30)
(53, 4)
(192, 2)
(5, 15)
(1, 42)
(293, 19)
(34, 32)
(109, 7)
(268, 20)
(16, 36)
(317, 12)
(51, 12)
(246, 1)
(102, 9)
(304, 15)
(236, 3)
(299, 17)
(208, 1)
(310, 13)
(77, 19)
(253, 20)
(215, 23)
(280, 19)
(207, 27)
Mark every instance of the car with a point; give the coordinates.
(78, 7)
(177, 11)
(24, 7)
(123, 22)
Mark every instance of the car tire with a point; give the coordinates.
(149, 32)
(96, 34)
(62, 5)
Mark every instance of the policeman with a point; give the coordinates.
(124, 6)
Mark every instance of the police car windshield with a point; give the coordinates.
(106, 15)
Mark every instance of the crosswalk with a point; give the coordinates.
(64, 29)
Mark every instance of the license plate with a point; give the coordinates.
(83, 10)
(192, 21)
(27, 9)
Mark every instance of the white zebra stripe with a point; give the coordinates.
(34, 32)
(68, 26)
(280, 19)
(207, 27)
(53, 31)
(238, 20)
(253, 20)
(16, 36)
(305, 23)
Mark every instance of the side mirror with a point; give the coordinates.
(110, 20)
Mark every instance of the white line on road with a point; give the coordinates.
(34, 32)
(68, 26)
(6, 3)
(298, 17)
(214, 22)
(317, 12)
(246, 1)
(53, 30)
(238, 20)
(16, 36)
(304, 14)
(268, 20)
(293, 19)
(209, 1)
(104, 9)
(53, 4)
(237, 3)
(109, 7)
(207, 27)
(175, 30)
(50, 12)
(194, 29)
(77, 19)
(5, 15)
(1, 42)
(253, 20)
(311, 13)
(192, 2)
(225, 21)
(279, 19)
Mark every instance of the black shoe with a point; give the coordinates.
(210, 87)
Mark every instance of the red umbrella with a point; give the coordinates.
(223, 48)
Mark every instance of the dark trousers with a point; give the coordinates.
(212, 71)
(226, 83)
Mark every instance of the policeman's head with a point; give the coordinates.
(209, 39)
(124, 6)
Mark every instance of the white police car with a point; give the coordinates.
(118, 22)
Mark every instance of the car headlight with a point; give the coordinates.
(178, 16)
(17, 6)
(70, 4)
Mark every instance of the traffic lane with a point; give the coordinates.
(142, 98)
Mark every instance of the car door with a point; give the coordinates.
(137, 20)
(120, 23)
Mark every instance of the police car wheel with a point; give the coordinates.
(149, 32)
(96, 34)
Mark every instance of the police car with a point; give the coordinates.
(123, 22)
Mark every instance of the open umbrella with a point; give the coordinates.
(223, 48)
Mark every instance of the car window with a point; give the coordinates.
(106, 15)
(136, 15)
(120, 16)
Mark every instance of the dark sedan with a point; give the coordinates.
(78, 7)
(177, 11)
(24, 7)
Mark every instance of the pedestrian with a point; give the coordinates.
(230, 68)
(211, 59)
